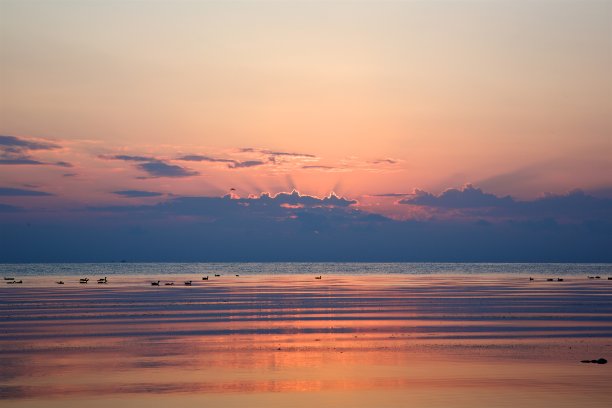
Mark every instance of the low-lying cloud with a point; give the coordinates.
(471, 201)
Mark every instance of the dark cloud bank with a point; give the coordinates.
(289, 227)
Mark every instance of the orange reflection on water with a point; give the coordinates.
(293, 342)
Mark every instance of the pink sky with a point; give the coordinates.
(357, 98)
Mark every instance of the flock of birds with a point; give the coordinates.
(104, 281)
(561, 279)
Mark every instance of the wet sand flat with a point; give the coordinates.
(291, 340)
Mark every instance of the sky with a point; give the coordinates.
(353, 130)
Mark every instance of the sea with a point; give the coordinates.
(298, 268)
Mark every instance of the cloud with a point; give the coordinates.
(575, 206)
(295, 198)
(20, 192)
(126, 157)
(318, 167)
(62, 164)
(248, 163)
(295, 227)
(390, 195)
(201, 158)
(16, 151)
(161, 169)
(20, 160)
(19, 145)
(232, 164)
(468, 197)
(153, 166)
(137, 193)
(276, 152)
(385, 161)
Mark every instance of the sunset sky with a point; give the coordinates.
(387, 104)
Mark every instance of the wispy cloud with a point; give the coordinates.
(201, 158)
(137, 193)
(153, 166)
(277, 153)
(319, 167)
(247, 163)
(162, 169)
(21, 145)
(20, 192)
(231, 163)
(17, 151)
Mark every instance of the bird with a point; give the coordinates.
(83, 280)
(169, 283)
(598, 277)
(530, 278)
(102, 280)
(9, 279)
(205, 277)
(16, 281)
(60, 282)
(559, 279)
(318, 277)
(217, 275)
(237, 275)
(232, 189)
(188, 283)
(549, 280)
(155, 283)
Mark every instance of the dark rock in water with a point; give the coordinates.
(598, 361)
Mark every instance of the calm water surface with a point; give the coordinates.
(104, 269)
(365, 335)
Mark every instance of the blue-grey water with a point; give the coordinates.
(77, 269)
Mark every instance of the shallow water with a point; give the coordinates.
(297, 268)
(478, 340)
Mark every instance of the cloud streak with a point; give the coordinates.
(15, 151)
(20, 192)
(154, 167)
(276, 153)
(137, 193)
